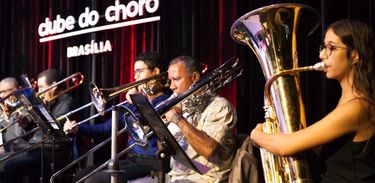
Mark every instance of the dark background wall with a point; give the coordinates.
(194, 27)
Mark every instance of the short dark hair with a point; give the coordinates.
(51, 76)
(192, 64)
(152, 59)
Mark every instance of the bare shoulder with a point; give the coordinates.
(355, 107)
(355, 115)
(346, 118)
(365, 125)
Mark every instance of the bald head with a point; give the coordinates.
(7, 86)
(10, 80)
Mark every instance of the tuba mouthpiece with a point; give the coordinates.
(320, 66)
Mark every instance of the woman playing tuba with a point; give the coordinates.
(348, 131)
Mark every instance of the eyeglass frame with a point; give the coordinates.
(328, 48)
(139, 71)
(6, 90)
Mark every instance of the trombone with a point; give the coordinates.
(76, 78)
(100, 96)
(99, 99)
(133, 128)
(207, 85)
(20, 112)
(14, 105)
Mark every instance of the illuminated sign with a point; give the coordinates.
(116, 15)
(54, 29)
(90, 48)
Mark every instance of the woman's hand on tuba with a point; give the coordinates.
(254, 132)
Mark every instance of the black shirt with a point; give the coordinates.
(61, 105)
(348, 161)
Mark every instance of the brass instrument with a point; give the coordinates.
(207, 85)
(272, 32)
(100, 96)
(11, 108)
(76, 79)
(9, 105)
(4, 113)
(19, 111)
(8, 119)
(135, 131)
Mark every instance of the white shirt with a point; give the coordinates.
(218, 120)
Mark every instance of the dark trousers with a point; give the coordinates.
(29, 165)
(133, 167)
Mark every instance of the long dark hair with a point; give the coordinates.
(359, 36)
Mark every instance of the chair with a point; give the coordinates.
(245, 164)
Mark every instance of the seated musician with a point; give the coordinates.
(28, 165)
(141, 160)
(13, 125)
(16, 126)
(346, 134)
(207, 130)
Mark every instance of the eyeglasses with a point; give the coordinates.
(139, 71)
(329, 48)
(6, 90)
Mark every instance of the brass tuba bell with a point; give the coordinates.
(272, 32)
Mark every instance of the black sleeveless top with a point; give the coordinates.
(348, 161)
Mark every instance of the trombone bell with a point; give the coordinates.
(100, 96)
(76, 80)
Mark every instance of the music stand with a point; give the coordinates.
(40, 114)
(163, 134)
(46, 122)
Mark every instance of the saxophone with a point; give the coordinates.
(271, 32)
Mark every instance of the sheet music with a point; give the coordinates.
(48, 117)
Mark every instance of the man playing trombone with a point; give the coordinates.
(28, 166)
(206, 131)
(16, 125)
(13, 125)
(141, 160)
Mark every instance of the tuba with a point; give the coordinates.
(272, 32)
